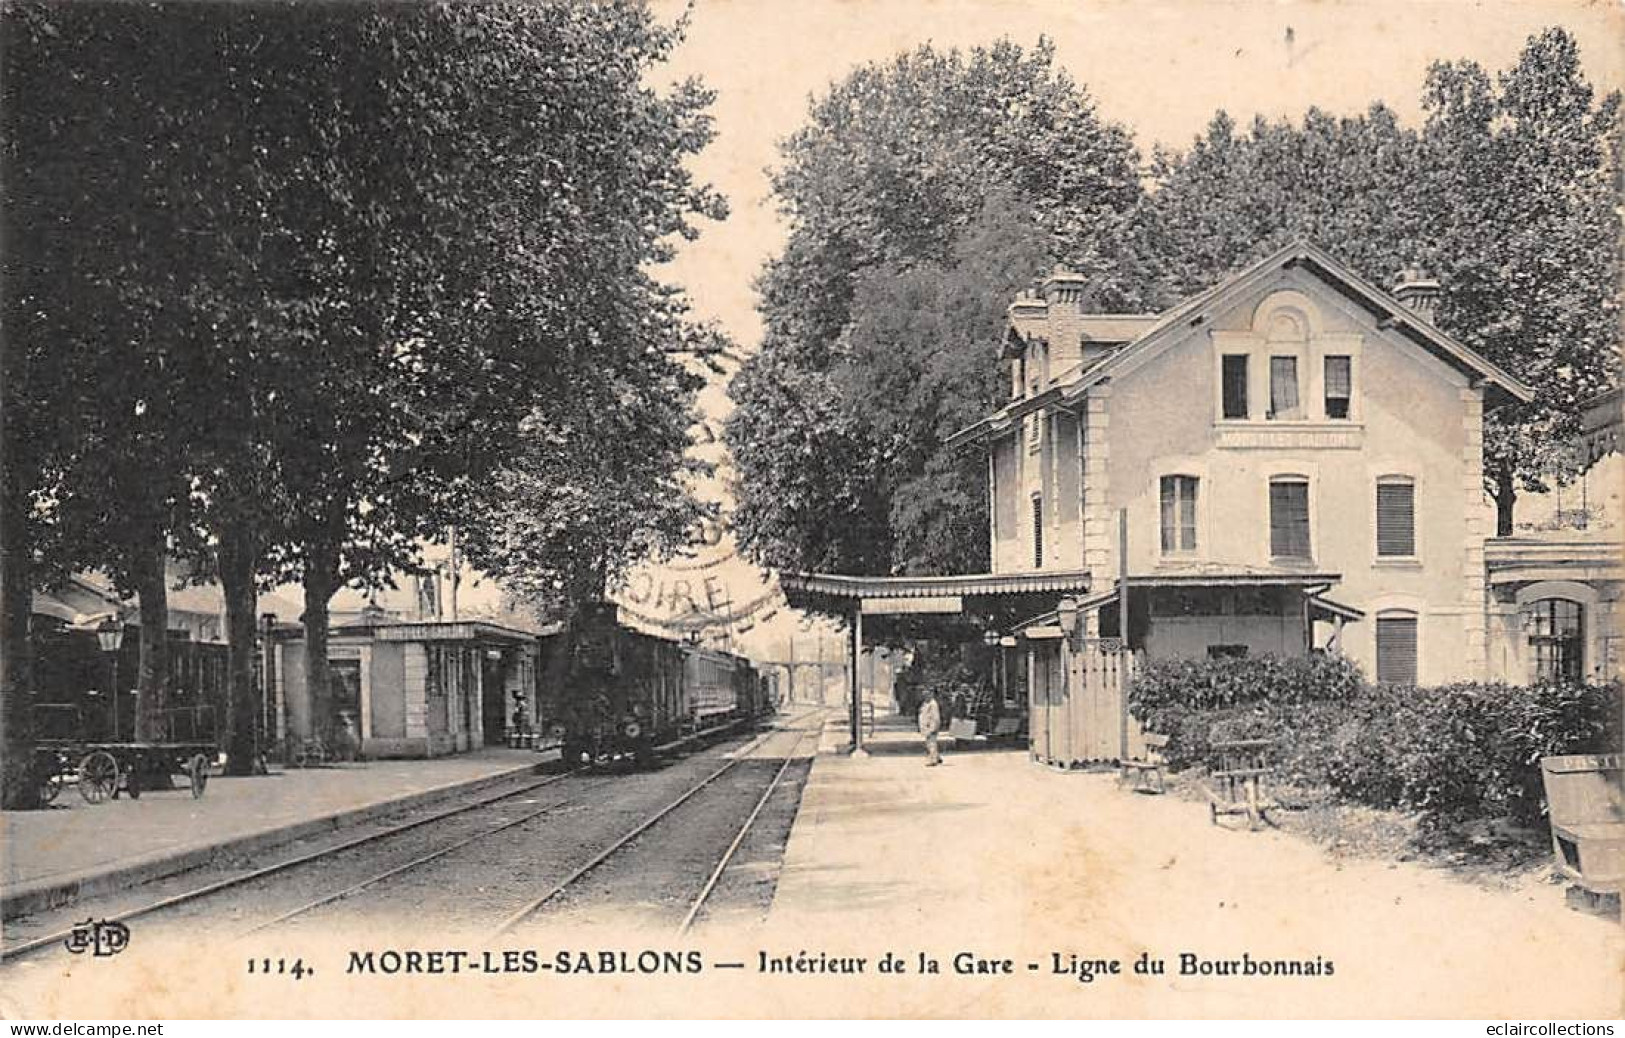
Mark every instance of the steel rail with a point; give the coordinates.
(531, 907)
(12, 951)
(417, 862)
(739, 838)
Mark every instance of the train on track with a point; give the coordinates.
(609, 694)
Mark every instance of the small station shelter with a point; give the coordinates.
(410, 689)
(980, 604)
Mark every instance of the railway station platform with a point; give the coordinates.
(995, 858)
(71, 848)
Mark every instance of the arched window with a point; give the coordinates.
(1556, 629)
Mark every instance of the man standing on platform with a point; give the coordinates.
(930, 725)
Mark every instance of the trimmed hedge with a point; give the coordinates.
(1183, 699)
(1454, 752)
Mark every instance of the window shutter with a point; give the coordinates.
(1396, 518)
(1235, 385)
(1396, 649)
(1338, 387)
(1289, 519)
(1038, 533)
(1187, 514)
(1168, 507)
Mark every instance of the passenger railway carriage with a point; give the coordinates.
(611, 694)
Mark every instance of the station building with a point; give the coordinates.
(1288, 462)
(410, 688)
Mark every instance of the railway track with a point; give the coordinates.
(697, 906)
(418, 861)
(14, 950)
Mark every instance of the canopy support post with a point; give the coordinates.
(854, 676)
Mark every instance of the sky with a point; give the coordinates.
(1161, 68)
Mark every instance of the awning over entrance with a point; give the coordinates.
(1194, 593)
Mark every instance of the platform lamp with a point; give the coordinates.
(110, 635)
(991, 640)
(1066, 612)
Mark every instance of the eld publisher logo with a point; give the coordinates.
(99, 937)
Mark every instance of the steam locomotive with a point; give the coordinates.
(612, 695)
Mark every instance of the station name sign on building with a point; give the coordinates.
(894, 606)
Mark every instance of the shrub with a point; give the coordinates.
(1183, 699)
(1454, 753)
(1473, 751)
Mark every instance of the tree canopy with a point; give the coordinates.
(296, 282)
(1506, 194)
(896, 165)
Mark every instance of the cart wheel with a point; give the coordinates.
(98, 776)
(301, 755)
(198, 769)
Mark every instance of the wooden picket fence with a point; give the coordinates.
(1079, 704)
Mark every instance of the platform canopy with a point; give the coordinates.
(994, 600)
(975, 594)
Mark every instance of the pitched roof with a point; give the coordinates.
(1199, 308)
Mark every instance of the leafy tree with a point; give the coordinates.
(1522, 182)
(895, 163)
(375, 237)
(517, 175)
(601, 485)
(920, 367)
(1348, 184)
(1507, 195)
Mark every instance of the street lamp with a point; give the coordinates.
(110, 635)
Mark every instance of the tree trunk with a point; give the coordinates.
(320, 583)
(152, 588)
(17, 787)
(1506, 495)
(239, 566)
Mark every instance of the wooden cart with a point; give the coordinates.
(1236, 785)
(101, 769)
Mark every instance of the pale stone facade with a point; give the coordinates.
(1248, 443)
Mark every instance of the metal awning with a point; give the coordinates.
(1260, 577)
(1312, 586)
(842, 594)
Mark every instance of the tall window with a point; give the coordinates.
(1234, 374)
(1038, 532)
(1178, 513)
(1289, 518)
(1396, 647)
(1339, 386)
(1396, 517)
(1555, 639)
(1284, 388)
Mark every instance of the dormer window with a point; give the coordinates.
(1339, 385)
(1284, 388)
(1235, 385)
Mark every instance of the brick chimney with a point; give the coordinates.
(1064, 291)
(1418, 293)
